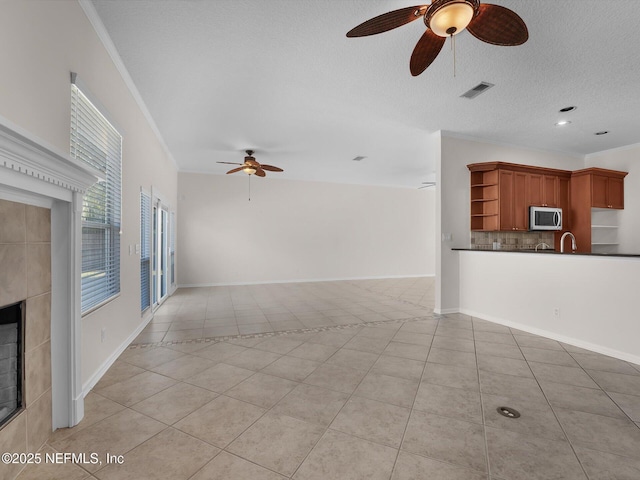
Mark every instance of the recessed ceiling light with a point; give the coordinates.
(603, 132)
(568, 109)
(358, 158)
(562, 123)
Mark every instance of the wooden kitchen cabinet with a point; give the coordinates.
(600, 188)
(513, 200)
(593, 188)
(607, 192)
(543, 190)
(501, 194)
(564, 201)
(550, 186)
(484, 200)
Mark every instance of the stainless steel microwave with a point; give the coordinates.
(545, 218)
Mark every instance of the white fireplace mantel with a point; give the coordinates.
(33, 172)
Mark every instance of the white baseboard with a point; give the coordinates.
(95, 378)
(445, 311)
(556, 336)
(266, 282)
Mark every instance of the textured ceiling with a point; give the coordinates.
(280, 76)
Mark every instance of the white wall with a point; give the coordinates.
(597, 297)
(624, 159)
(453, 184)
(42, 42)
(296, 230)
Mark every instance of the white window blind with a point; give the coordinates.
(172, 248)
(96, 142)
(145, 251)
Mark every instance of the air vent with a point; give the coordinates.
(358, 158)
(477, 90)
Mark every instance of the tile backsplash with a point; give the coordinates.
(511, 240)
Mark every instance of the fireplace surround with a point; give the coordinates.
(11, 361)
(40, 206)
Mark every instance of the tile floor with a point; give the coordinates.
(399, 399)
(239, 310)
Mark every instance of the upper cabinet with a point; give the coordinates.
(607, 191)
(600, 188)
(501, 194)
(543, 190)
(513, 200)
(594, 188)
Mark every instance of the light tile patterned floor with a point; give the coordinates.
(400, 400)
(238, 310)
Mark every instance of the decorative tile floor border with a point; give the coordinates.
(328, 328)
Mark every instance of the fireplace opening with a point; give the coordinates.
(11, 361)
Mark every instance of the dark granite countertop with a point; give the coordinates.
(550, 252)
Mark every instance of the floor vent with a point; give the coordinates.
(508, 412)
(477, 90)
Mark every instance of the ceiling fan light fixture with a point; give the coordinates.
(451, 19)
(249, 170)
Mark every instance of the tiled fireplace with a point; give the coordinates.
(11, 361)
(40, 229)
(25, 281)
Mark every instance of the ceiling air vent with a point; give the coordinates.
(477, 90)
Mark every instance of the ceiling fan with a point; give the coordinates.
(445, 18)
(252, 167)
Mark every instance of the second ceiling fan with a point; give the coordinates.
(445, 18)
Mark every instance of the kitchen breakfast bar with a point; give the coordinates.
(587, 300)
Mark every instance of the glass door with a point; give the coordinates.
(161, 274)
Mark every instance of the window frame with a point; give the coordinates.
(97, 142)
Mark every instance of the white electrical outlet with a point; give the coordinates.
(103, 334)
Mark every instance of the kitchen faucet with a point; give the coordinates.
(573, 242)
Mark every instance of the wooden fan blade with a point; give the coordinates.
(260, 172)
(231, 163)
(425, 52)
(235, 170)
(271, 168)
(388, 21)
(499, 26)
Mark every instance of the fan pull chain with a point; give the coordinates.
(249, 187)
(453, 47)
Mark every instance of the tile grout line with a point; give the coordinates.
(484, 426)
(607, 393)
(327, 428)
(555, 415)
(414, 401)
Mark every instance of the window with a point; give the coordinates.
(172, 248)
(96, 142)
(145, 251)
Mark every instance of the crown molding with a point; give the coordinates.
(103, 35)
